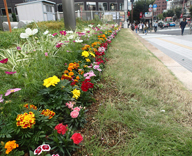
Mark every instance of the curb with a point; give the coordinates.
(184, 75)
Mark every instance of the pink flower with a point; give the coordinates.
(97, 67)
(1, 98)
(10, 73)
(101, 49)
(76, 109)
(58, 45)
(69, 105)
(38, 150)
(54, 34)
(46, 54)
(89, 74)
(74, 114)
(45, 147)
(19, 48)
(63, 32)
(4, 60)
(55, 155)
(9, 91)
(88, 31)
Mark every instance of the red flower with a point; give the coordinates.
(77, 138)
(86, 85)
(73, 83)
(38, 150)
(61, 129)
(45, 147)
(4, 60)
(10, 73)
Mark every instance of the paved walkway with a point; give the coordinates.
(174, 51)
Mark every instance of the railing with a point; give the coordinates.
(116, 16)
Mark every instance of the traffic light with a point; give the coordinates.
(128, 13)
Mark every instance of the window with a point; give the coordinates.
(121, 6)
(102, 6)
(16, 11)
(4, 12)
(79, 6)
(59, 7)
(91, 5)
(113, 6)
(48, 8)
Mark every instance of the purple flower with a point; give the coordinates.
(1, 98)
(58, 45)
(4, 60)
(9, 91)
(54, 34)
(46, 54)
(19, 48)
(88, 31)
(10, 73)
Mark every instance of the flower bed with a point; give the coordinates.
(57, 74)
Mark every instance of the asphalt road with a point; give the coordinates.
(172, 31)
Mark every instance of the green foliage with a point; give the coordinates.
(62, 144)
(14, 17)
(178, 12)
(160, 16)
(140, 6)
(190, 9)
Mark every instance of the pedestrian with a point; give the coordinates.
(136, 27)
(140, 27)
(145, 28)
(132, 26)
(182, 25)
(155, 26)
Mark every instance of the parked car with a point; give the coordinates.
(166, 25)
(172, 24)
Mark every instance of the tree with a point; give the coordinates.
(141, 6)
(170, 13)
(190, 9)
(165, 14)
(178, 12)
(160, 16)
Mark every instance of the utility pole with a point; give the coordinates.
(69, 14)
(132, 11)
(6, 10)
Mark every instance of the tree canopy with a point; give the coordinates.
(178, 12)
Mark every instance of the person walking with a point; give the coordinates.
(140, 27)
(182, 25)
(145, 28)
(155, 26)
(136, 27)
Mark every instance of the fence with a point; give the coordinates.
(116, 16)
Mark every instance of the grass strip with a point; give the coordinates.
(141, 109)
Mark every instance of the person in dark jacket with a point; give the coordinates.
(182, 25)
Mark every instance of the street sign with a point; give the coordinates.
(154, 5)
(150, 9)
(150, 6)
(148, 14)
(154, 9)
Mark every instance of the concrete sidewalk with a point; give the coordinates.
(184, 75)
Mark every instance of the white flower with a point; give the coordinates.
(46, 32)
(162, 111)
(28, 32)
(78, 41)
(69, 32)
(98, 25)
(116, 25)
(87, 29)
(90, 25)
(71, 37)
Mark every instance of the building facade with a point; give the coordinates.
(161, 5)
(102, 5)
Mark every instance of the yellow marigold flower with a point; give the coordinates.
(101, 39)
(66, 71)
(85, 54)
(92, 54)
(10, 145)
(51, 81)
(85, 66)
(76, 80)
(25, 120)
(48, 112)
(76, 93)
(88, 60)
(71, 73)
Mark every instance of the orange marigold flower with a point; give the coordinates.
(10, 145)
(30, 106)
(65, 76)
(66, 71)
(48, 112)
(76, 80)
(77, 77)
(103, 36)
(85, 66)
(70, 68)
(71, 73)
